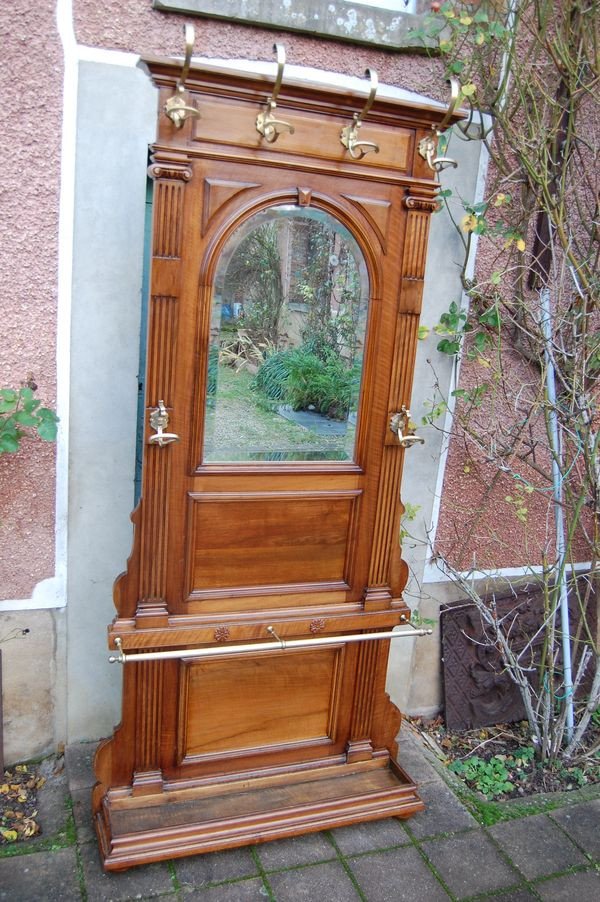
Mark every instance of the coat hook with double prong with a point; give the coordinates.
(428, 146)
(176, 108)
(349, 135)
(266, 123)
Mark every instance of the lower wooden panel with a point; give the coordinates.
(268, 539)
(163, 827)
(261, 701)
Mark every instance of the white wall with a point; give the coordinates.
(116, 114)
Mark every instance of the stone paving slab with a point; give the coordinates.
(583, 886)
(143, 882)
(517, 895)
(244, 891)
(328, 882)
(370, 836)
(443, 813)
(582, 823)
(416, 760)
(215, 867)
(288, 853)
(537, 846)
(51, 876)
(470, 864)
(81, 801)
(79, 763)
(400, 875)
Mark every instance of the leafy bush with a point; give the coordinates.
(305, 380)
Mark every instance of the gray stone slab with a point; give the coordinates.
(518, 895)
(582, 823)
(215, 867)
(79, 764)
(243, 891)
(142, 882)
(53, 813)
(299, 850)
(584, 886)
(82, 815)
(537, 846)
(370, 836)
(51, 876)
(400, 875)
(470, 864)
(320, 881)
(416, 761)
(443, 813)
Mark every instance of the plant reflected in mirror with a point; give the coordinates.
(287, 340)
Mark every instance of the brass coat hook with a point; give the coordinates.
(428, 146)
(266, 123)
(349, 135)
(176, 108)
(403, 427)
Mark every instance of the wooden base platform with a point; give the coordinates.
(136, 830)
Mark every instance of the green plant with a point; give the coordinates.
(491, 778)
(327, 385)
(21, 415)
(306, 381)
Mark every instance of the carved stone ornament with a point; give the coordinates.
(317, 625)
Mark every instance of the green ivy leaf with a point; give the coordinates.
(9, 443)
(9, 396)
(491, 318)
(47, 430)
(25, 418)
(481, 342)
(446, 346)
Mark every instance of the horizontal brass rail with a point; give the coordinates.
(276, 644)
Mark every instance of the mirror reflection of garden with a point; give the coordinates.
(287, 340)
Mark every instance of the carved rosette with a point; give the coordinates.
(317, 625)
(222, 634)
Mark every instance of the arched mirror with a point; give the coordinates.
(287, 338)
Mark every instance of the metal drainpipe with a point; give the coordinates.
(555, 446)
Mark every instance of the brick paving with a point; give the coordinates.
(441, 854)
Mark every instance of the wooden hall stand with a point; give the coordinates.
(255, 612)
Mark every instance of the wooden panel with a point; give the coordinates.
(264, 700)
(235, 124)
(269, 539)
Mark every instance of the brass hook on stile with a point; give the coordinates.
(266, 123)
(428, 146)
(404, 429)
(349, 135)
(176, 108)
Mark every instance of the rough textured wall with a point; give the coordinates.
(133, 25)
(31, 89)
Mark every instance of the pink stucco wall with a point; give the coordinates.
(31, 88)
